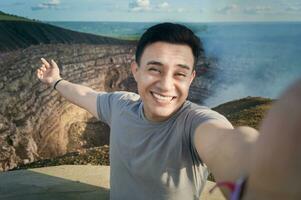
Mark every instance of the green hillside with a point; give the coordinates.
(248, 111)
(9, 17)
(19, 32)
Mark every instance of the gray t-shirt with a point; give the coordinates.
(153, 160)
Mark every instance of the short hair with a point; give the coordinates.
(170, 33)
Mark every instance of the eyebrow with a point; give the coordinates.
(153, 62)
(184, 66)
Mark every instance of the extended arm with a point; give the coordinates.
(275, 169)
(271, 161)
(82, 96)
(226, 151)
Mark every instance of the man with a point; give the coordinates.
(160, 143)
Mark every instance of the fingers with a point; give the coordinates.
(43, 68)
(48, 70)
(53, 63)
(39, 73)
(47, 65)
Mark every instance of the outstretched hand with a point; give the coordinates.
(276, 159)
(48, 73)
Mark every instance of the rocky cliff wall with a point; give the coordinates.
(36, 122)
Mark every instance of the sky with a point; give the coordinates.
(155, 10)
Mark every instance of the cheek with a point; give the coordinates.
(184, 86)
(146, 81)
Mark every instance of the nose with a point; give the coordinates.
(166, 83)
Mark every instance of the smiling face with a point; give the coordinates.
(163, 78)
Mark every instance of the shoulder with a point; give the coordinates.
(193, 108)
(123, 95)
(119, 96)
(114, 103)
(202, 113)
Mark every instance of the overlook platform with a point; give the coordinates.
(66, 182)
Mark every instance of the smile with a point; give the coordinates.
(162, 98)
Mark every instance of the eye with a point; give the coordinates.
(181, 74)
(154, 70)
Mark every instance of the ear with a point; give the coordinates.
(192, 76)
(134, 68)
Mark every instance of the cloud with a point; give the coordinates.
(51, 4)
(145, 5)
(180, 10)
(140, 5)
(163, 5)
(257, 10)
(229, 9)
(293, 8)
(236, 9)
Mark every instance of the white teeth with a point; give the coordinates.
(163, 98)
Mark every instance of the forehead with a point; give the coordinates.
(168, 53)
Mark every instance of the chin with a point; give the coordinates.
(162, 115)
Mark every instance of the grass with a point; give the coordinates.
(248, 111)
(124, 37)
(9, 17)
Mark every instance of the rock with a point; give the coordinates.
(35, 120)
(2, 127)
(26, 161)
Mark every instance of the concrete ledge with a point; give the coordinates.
(66, 182)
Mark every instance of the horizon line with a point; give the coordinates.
(274, 21)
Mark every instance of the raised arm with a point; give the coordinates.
(79, 95)
(226, 151)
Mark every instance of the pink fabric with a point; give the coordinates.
(235, 188)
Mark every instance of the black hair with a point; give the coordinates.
(170, 33)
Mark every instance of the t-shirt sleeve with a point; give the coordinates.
(106, 103)
(110, 104)
(195, 118)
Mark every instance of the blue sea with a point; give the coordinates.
(253, 59)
